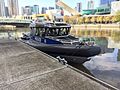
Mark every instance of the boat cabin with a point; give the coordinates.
(50, 29)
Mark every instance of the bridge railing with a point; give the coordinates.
(14, 21)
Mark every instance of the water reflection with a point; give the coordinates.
(81, 67)
(16, 34)
(107, 61)
(114, 34)
(106, 67)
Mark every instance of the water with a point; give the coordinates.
(16, 34)
(105, 66)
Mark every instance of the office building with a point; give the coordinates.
(106, 2)
(13, 7)
(115, 7)
(6, 12)
(90, 4)
(105, 7)
(2, 8)
(35, 9)
(51, 8)
(56, 6)
(22, 11)
(79, 7)
(27, 10)
(44, 10)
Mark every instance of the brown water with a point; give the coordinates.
(105, 66)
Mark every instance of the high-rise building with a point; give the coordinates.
(106, 2)
(13, 7)
(44, 10)
(56, 6)
(90, 4)
(27, 10)
(106, 7)
(51, 8)
(115, 7)
(79, 7)
(6, 12)
(2, 8)
(22, 10)
(35, 9)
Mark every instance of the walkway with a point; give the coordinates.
(25, 68)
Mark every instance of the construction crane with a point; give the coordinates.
(52, 16)
(67, 8)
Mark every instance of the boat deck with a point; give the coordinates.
(25, 68)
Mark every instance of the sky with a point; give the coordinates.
(47, 3)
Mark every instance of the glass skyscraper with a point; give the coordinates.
(35, 9)
(90, 4)
(79, 7)
(106, 2)
(13, 7)
(2, 8)
(44, 10)
(56, 6)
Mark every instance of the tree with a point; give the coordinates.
(87, 20)
(93, 20)
(113, 19)
(118, 16)
(66, 18)
(80, 20)
(107, 19)
(99, 19)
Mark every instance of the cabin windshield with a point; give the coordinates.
(57, 32)
(42, 32)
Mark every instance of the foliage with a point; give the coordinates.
(93, 20)
(99, 19)
(66, 18)
(104, 19)
(113, 19)
(118, 16)
(80, 20)
(107, 19)
(87, 20)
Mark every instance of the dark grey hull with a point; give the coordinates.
(71, 53)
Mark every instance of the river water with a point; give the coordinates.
(105, 66)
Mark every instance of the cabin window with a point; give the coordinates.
(40, 32)
(57, 32)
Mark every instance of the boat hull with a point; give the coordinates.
(86, 51)
(72, 59)
(71, 53)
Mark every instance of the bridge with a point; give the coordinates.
(15, 22)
